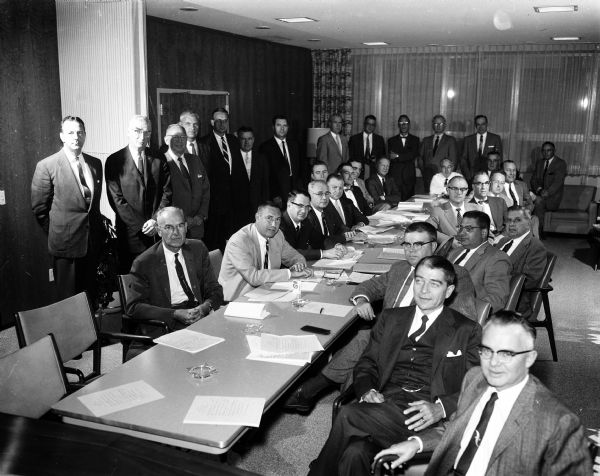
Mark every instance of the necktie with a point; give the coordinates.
(467, 457)
(480, 145)
(446, 183)
(368, 149)
(225, 149)
(421, 330)
(285, 155)
(339, 143)
(87, 193)
(546, 163)
(140, 165)
(338, 206)
(513, 195)
(193, 149)
(507, 246)
(325, 227)
(248, 164)
(481, 202)
(458, 217)
(435, 145)
(408, 282)
(297, 230)
(458, 261)
(266, 258)
(184, 284)
(184, 171)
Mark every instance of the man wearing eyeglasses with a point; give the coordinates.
(174, 281)
(493, 207)
(189, 181)
(408, 377)
(448, 216)
(137, 186)
(329, 229)
(367, 146)
(436, 147)
(255, 253)
(489, 267)
(507, 421)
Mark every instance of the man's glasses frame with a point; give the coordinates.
(417, 245)
(458, 189)
(503, 356)
(467, 228)
(299, 205)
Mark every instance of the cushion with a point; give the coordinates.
(577, 197)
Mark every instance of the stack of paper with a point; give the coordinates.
(358, 277)
(368, 229)
(288, 285)
(392, 253)
(290, 350)
(188, 341)
(218, 410)
(268, 295)
(372, 268)
(249, 310)
(335, 263)
(327, 309)
(119, 398)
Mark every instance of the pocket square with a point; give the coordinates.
(199, 176)
(452, 354)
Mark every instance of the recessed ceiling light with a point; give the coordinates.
(189, 9)
(263, 27)
(314, 39)
(376, 43)
(566, 38)
(555, 9)
(296, 20)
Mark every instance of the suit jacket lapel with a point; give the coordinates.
(162, 275)
(444, 336)
(256, 245)
(449, 212)
(190, 265)
(68, 171)
(402, 322)
(95, 178)
(130, 168)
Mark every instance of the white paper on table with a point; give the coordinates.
(374, 229)
(119, 398)
(383, 238)
(249, 310)
(378, 268)
(409, 206)
(359, 277)
(326, 309)
(288, 285)
(189, 341)
(265, 295)
(335, 263)
(392, 253)
(282, 345)
(218, 410)
(256, 353)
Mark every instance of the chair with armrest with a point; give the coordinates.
(32, 379)
(483, 310)
(539, 298)
(516, 287)
(129, 324)
(415, 467)
(216, 258)
(445, 247)
(75, 330)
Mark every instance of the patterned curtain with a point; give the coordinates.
(332, 87)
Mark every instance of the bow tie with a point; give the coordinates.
(482, 201)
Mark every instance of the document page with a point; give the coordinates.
(119, 398)
(249, 310)
(392, 253)
(265, 295)
(287, 285)
(327, 309)
(289, 344)
(372, 268)
(189, 341)
(355, 277)
(256, 353)
(217, 410)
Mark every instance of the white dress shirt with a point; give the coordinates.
(220, 142)
(431, 318)
(176, 160)
(247, 156)
(320, 218)
(135, 154)
(350, 194)
(189, 148)
(516, 242)
(437, 182)
(262, 242)
(511, 186)
(469, 254)
(178, 295)
(338, 206)
(282, 144)
(87, 173)
(367, 139)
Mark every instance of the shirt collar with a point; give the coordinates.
(169, 255)
(509, 395)
(319, 213)
(431, 315)
(135, 153)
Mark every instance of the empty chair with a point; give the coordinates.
(516, 287)
(32, 379)
(216, 258)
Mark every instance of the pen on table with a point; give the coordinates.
(321, 311)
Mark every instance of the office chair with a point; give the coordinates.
(216, 258)
(516, 287)
(483, 310)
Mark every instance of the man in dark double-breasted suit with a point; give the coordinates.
(403, 149)
(366, 146)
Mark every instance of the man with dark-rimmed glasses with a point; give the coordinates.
(448, 216)
(507, 421)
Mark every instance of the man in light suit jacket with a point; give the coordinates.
(408, 376)
(527, 254)
(65, 199)
(332, 148)
(548, 182)
(436, 147)
(493, 207)
(489, 267)
(476, 147)
(528, 432)
(158, 291)
(138, 185)
(446, 217)
(366, 146)
(257, 168)
(253, 256)
(403, 150)
(189, 181)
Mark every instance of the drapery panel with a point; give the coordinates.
(529, 93)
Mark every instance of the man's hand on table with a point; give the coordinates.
(334, 253)
(364, 309)
(300, 270)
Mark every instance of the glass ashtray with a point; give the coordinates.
(299, 302)
(253, 329)
(202, 371)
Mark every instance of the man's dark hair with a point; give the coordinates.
(370, 117)
(317, 162)
(295, 192)
(483, 221)
(334, 176)
(243, 129)
(480, 116)
(518, 208)
(422, 227)
(279, 116)
(379, 159)
(219, 109)
(72, 118)
(439, 262)
(266, 204)
(506, 318)
(403, 115)
(551, 144)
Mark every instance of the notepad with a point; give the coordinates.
(378, 268)
(392, 253)
(359, 277)
(327, 309)
(368, 229)
(119, 398)
(335, 263)
(218, 410)
(189, 341)
(289, 344)
(248, 310)
(288, 285)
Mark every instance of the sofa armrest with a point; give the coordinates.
(593, 212)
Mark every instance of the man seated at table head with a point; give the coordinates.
(319, 171)
(254, 255)
(440, 181)
(493, 207)
(300, 233)
(174, 281)
(527, 253)
(353, 192)
(488, 267)
(341, 207)
(507, 421)
(330, 229)
(408, 377)
(448, 216)
(381, 186)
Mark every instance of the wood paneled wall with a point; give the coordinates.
(263, 78)
(29, 122)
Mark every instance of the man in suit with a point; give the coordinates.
(527, 254)
(395, 288)
(413, 364)
(436, 147)
(476, 147)
(489, 267)
(497, 187)
(174, 281)
(548, 182)
(381, 187)
(353, 192)
(65, 199)
(190, 121)
(329, 230)
(440, 181)
(342, 207)
(332, 148)
(319, 171)
(403, 151)
(256, 167)
(448, 216)
(357, 168)
(283, 156)
(301, 234)
(493, 162)
(138, 185)
(507, 421)
(189, 181)
(493, 207)
(516, 189)
(254, 255)
(366, 146)
(229, 207)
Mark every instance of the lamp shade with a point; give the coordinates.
(311, 140)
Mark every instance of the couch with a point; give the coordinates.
(576, 213)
